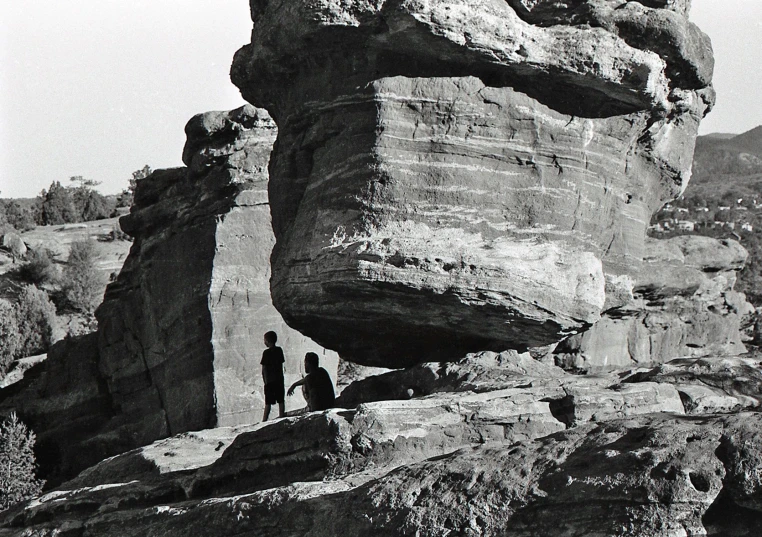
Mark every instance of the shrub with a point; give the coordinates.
(91, 205)
(116, 234)
(18, 481)
(20, 217)
(9, 336)
(38, 269)
(35, 314)
(57, 206)
(81, 283)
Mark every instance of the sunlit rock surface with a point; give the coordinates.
(456, 176)
(499, 446)
(684, 306)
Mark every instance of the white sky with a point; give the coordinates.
(100, 88)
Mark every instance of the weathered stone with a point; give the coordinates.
(479, 372)
(350, 372)
(501, 445)
(684, 305)
(14, 244)
(707, 385)
(65, 401)
(658, 474)
(180, 330)
(19, 367)
(645, 476)
(467, 161)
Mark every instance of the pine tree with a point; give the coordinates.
(57, 206)
(9, 335)
(18, 481)
(35, 314)
(82, 284)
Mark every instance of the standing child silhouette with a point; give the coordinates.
(272, 373)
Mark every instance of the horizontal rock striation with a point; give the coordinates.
(180, 330)
(684, 305)
(457, 176)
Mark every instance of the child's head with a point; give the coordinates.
(270, 338)
(311, 362)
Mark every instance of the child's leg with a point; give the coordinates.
(267, 412)
(281, 409)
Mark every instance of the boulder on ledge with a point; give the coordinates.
(456, 176)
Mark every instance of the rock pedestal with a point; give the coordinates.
(454, 176)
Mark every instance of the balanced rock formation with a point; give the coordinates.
(522, 449)
(455, 176)
(684, 306)
(180, 330)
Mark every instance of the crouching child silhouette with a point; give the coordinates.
(316, 386)
(272, 373)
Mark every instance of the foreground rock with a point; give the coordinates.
(544, 453)
(684, 305)
(492, 164)
(180, 330)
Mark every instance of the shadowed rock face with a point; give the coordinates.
(452, 176)
(184, 322)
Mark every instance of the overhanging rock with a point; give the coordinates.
(455, 176)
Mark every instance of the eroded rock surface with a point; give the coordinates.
(457, 176)
(180, 330)
(490, 459)
(684, 305)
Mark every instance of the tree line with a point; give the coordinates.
(67, 204)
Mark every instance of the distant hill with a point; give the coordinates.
(722, 154)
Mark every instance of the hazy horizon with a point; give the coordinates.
(102, 88)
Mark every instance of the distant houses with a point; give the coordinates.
(739, 216)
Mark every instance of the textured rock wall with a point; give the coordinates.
(684, 306)
(492, 164)
(180, 330)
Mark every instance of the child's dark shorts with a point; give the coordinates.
(275, 392)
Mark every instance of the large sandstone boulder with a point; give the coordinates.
(456, 176)
(684, 306)
(180, 330)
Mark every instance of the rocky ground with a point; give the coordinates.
(57, 239)
(495, 444)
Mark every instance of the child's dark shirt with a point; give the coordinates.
(273, 360)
